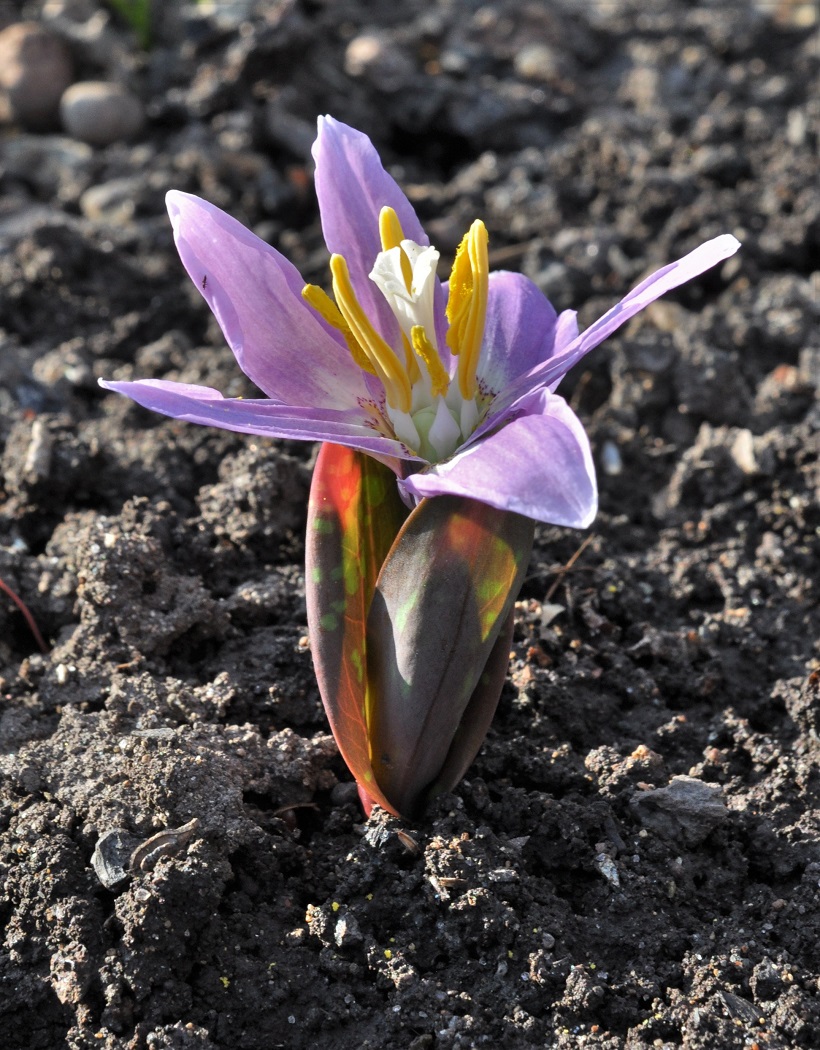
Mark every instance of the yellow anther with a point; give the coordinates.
(390, 229)
(467, 305)
(329, 311)
(440, 381)
(392, 235)
(474, 335)
(460, 292)
(387, 366)
(324, 306)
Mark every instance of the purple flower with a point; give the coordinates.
(451, 386)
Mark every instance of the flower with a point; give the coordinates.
(453, 388)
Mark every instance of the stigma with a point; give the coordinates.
(430, 396)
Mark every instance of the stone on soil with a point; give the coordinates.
(100, 113)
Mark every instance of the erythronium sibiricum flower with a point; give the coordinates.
(450, 388)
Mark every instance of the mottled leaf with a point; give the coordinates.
(478, 714)
(443, 595)
(354, 515)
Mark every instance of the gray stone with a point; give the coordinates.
(100, 113)
(347, 933)
(111, 855)
(35, 70)
(537, 61)
(685, 811)
(56, 165)
(374, 57)
(113, 202)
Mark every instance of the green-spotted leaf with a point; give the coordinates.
(354, 515)
(478, 714)
(444, 594)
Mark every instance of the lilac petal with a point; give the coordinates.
(353, 187)
(538, 465)
(505, 404)
(519, 333)
(255, 294)
(659, 283)
(566, 330)
(202, 404)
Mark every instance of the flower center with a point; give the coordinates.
(429, 411)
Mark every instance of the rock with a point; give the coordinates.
(611, 461)
(375, 57)
(508, 108)
(35, 70)
(685, 811)
(718, 465)
(537, 61)
(709, 383)
(113, 202)
(55, 165)
(743, 453)
(111, 856)
(100, 113)
(347, 933)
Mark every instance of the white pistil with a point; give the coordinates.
(414, 305)
(440, 418)
(444, 434)
(404, 428)
(469, 417)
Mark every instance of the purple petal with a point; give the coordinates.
(520, 330)
(202, 404)
(659, 283)
(255, 294)
(353, 187)
(539, 465)
(566, 331)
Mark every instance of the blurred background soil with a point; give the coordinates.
(633, 860)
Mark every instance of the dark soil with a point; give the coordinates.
(634, 858)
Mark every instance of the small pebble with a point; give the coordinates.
(35, 70)
(536, 62)
(687, 810)
(374, 57)
(100, 113)
(110, 857)
(347, 933)
(55, 164)
(37, 464)
(608, 869)
(113, 202)
(743, 453)
(343, 793)
(611, 459)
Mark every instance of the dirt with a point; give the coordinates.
(633, 860)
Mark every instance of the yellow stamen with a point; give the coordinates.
(410, 362)
(439, 379)
(467, 305)
(390, 229)
(388, 367)
(459, 295)
(329, 311)
(324, 306)
(392, 235)
(474, 335)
